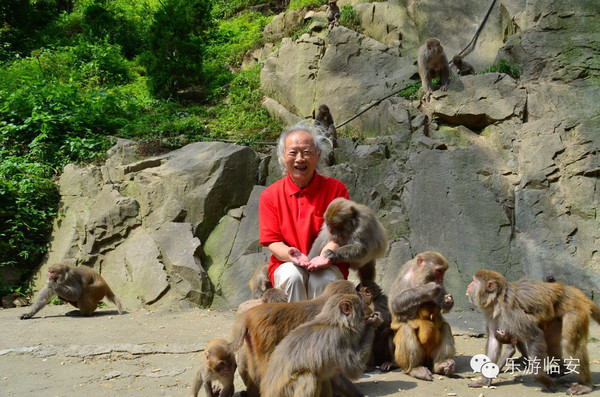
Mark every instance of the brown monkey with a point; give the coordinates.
(383, 344)
(358, 235)
(260, 282)
(427, 324)
(337, 341)
(433, 63)
(333, 13)
(464, 68)
(421, 282)
(325, 119)
(552, 319)
(256, 332)
(271, 295)
(80, 286)
(219, 366)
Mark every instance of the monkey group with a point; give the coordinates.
(318, 347)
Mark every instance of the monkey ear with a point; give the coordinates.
(368, 291)
(491, 286)
(207, 356)
(420, 261)
(346, 307)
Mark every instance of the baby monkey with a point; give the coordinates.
(219, 365)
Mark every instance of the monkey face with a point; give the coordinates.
(301, 157)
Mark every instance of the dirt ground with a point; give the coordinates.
(155, 353)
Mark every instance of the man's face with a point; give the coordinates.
(301, 157)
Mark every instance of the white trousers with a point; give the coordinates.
(301, 284)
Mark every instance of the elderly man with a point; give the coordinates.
(291, 213)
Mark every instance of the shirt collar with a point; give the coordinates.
(313, 187)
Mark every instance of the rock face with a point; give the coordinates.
(141, 222)
(494, 173)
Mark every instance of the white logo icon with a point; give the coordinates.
(477, 362)
(490, 370)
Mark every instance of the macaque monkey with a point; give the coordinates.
(271, 295)
(333, 13)
(358, 235)
(258, 331)
(325, 120)
(420, 282)
(427, 324)
(551, 318)
(433, 63)
(464, 68)
(80, 286)
(336, 342)
(219, 365)
(260, 282)
(383, 343)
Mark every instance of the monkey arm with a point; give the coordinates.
(42, 299)
(347, 253)
(407, 302)
(70, 292)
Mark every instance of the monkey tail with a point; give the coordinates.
(117, 302)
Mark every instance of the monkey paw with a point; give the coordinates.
(578, 389)
(422, 373)
(445, 367)
(376, 319)
(25, 316)
(481, 382)
(387, 366)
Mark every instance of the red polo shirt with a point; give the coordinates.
(294, 216)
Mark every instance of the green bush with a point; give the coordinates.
(28, 204)
(176, 45)
(349, 18)
(310, 4)
(510, 68)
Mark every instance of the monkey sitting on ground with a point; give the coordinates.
(325, 120)
(337, 341)
(433, 63)
(256, 332)
(420, 282)
(551, 318)
(463, 67)
(219, 366)
(80, 286)
(383, 344)
(333, 13)
(271, 295)
(260, 282)
(357, 234)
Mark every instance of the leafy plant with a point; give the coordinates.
(310, 4)
(349, 18)
(176, 45)
(510, 68)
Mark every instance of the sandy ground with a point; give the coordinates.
(155, 353)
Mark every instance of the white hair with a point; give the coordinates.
(322, 143)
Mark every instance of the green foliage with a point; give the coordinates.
(176, 44)
(227, 45)
(28, 203)
(241, 113)
(349, 18)
(510, 68)
(225, 9)
(310, 4)
(411, 92)
(20, 24)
